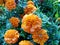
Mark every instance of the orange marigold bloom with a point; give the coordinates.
(25, 42)
(14, 21)
(30, 2)
(10, 5)
(11, 36)
(29, 9)
(31, 23)
(40, 37)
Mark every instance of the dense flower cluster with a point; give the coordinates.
(10, 4)
(14, 21)
(40, 37)
(31, 23)
(29, 8)
(25, 42)
(11, 36)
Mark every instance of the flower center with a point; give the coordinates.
(40, 35)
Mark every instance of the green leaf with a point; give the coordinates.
(56, 15)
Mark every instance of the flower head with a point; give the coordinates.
(10, 5)
(31, 23)
(14, 21)
(25, 42)
(11, 36)
(29, 9)
(40, 37)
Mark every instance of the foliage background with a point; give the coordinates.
(48, 10)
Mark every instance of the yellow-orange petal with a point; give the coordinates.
(8, 0)
(30, 2)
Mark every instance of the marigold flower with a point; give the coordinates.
(10, 5)
(30, 2)
(11, 36)
(25, 42)
(29, 9)
(14, 21)
(40, 37)
(31, 23)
